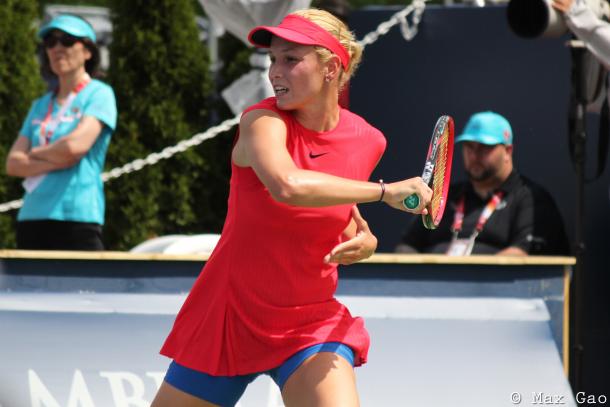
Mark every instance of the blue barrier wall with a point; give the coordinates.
(88, 328)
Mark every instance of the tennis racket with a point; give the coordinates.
(437, 172)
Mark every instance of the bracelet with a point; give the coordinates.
(382, 185)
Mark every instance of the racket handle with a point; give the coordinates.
(428, 222)
(411, 202)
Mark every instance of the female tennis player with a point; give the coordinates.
(264, 302)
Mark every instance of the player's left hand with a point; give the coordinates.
(359, 247)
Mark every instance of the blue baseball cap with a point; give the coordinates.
(487, 128)
(69, 24)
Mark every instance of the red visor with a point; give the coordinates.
(300, 30)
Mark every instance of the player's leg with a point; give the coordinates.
(169, 396)
(324, 379)
(185, 387)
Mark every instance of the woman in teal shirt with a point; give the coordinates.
(62, 144)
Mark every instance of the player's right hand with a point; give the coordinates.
(397, 192)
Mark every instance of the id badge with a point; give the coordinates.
(31, 183)
(459, 247)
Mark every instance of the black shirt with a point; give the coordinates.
(527, 218)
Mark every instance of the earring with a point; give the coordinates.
(327, 78)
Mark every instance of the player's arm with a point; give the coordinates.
(359, 242)
(262, 146)
(68, 150)
(19, 162)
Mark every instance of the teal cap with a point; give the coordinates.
(69, 24)
(487, 128)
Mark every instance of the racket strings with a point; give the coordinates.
(438, 176)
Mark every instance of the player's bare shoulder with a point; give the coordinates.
(257, 126)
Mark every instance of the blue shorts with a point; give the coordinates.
(227, 390)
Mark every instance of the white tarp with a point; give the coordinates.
(239, 17)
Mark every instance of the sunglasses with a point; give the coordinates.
(65, 40)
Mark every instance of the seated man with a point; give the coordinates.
(497, 211)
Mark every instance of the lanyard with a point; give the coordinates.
(50, 123)
(489, 209)
(458, 219)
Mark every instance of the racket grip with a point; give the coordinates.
(428, 222)
(411, 202)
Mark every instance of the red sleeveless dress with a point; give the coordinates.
(265, 292)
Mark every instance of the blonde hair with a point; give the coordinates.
(339, 30)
